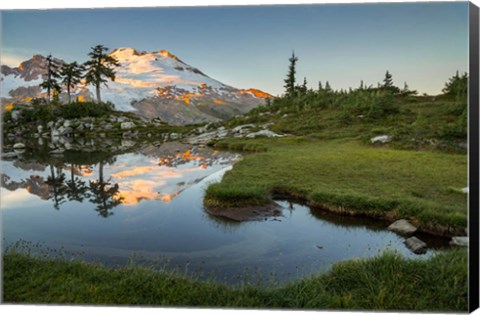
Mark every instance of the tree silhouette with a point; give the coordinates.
(77, 189)
(290, 80)
(56, 182)
(50, 82)
(388, 84)
(100, 68)
(72, 74)
(104, 194)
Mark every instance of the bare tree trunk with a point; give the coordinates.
(68, 92)
(98, 95)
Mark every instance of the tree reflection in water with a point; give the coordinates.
(103, 193)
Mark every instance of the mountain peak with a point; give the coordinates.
(127, 52)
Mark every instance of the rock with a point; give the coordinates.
(66, 131)
(108, 127)
(50, 124)
(127, 144)
(58, 151)
(264, 133)
(80, 127)
(174, 135)
(67, 123)
(19, 145)
(127, 125)
(10, 136)
(402, 227)
(55, 133)
(465, 190)
(267, 125)
(40, 128)
(16, 114)
(129, 134)
(9, 155)
(241, 127)
(459, 241)
(285, 116)
(382, 139)
(415, 245)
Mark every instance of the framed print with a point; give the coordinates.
(276, 157)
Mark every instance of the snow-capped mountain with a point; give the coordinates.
(154, 84)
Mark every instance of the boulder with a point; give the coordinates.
(402, 227)
(381, 139)
(67, 123)
(16, 114)
(40, 128)
(264, 133)
(127, 125)
(18, 145)
(66, 131)
(459, 241)
(415, 245)
(241, 127)
(9, 155)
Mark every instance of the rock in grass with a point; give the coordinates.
(263, 133)
(403, 227)
(465, 190)
(19, 146)
(382, 139)
(459, 241)
(127, 125)
(415, 245)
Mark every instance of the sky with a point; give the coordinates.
(422, 44)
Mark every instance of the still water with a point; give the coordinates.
(147, 206)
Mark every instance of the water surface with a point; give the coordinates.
(148, 205)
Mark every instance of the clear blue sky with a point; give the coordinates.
(421, 43)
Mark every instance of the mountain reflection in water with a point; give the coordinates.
(153, 173)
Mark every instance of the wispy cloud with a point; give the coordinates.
(12, 56)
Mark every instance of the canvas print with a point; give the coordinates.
(273, 157)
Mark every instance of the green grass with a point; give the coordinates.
(348, 177)
(422, 123)
(386, 282)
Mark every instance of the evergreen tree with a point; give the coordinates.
(327, 87)
(361, 85)
(290, 80)
(50, 82)
(457, 86)
(72, 74)
(388, 83)
(320, 86)
(406, 90)
(100, 68)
